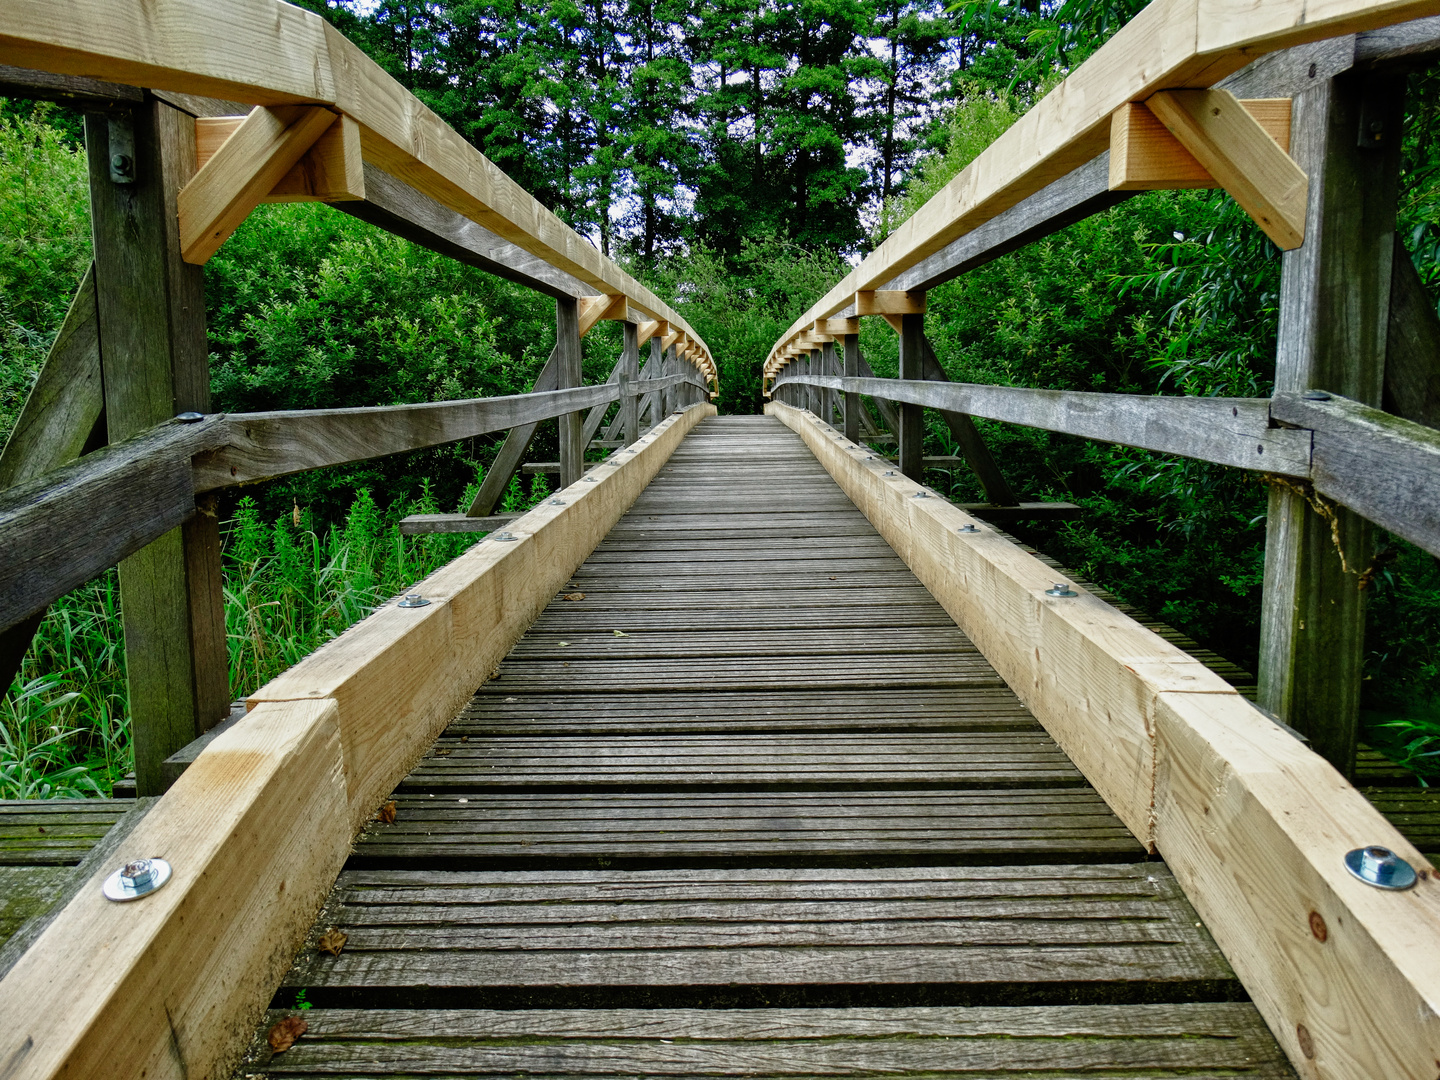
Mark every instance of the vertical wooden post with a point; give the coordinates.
(912, 417)
(1334, 305)
(150, 309)
(829, 366)
(852, 401)
(629, 384)
(812, 393)
(567, 347)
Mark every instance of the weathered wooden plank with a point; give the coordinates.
(1228, 431)
(421, 524)
(1376, 464)
(1412, 346)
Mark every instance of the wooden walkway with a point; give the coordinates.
(745, 802)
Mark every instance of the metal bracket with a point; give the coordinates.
(123, 167)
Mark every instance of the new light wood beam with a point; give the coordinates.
(242, 171)
(836, 327)
(889, 303)
(595, 308)
(1238, 152)
(1144, 156)
(650, 329)
(672, 335)
(330, 171)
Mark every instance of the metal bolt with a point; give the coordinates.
(889, 472)
(1061, 588)
(557, 502)
(589, 479)
(1315, 395)
(1381, 867)
(969, 529)
(135, 879)
(122, 165)
(504, 536)
(189, 417)
(413, 599)
(922, 494)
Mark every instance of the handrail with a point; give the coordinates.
(267, 53)
(1171, 44)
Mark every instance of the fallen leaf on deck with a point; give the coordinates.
(386, 813)
(574, 596)
(283, 1035)
(332, 941)
(619, 633)
(564, 644)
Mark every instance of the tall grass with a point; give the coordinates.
(290, 586)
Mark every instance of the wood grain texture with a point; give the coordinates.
(1243, 157)
(1144, 1039)
(1145, 156)
(247, 882)
(245, 168)
(330, 171)
(1379, 465)
(65, 404)
(1412, 346)
(1228, 431)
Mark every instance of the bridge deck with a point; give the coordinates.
(744, 801)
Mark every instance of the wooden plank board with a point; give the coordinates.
(55, 832)
(1011, 825)
(749, 927)
(1090, 1040)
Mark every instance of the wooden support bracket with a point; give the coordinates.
(595, 308)
(882, 302)
(1239, 153)
(672, 335)
(242, 171)
(836, 327)
(1144, 156)
(330, 171)
(653, 328)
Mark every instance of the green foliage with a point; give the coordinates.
(44, 245)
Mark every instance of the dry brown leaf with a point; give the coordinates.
(283, 1035)
(386, 813)
(332, 941)
(574, 596)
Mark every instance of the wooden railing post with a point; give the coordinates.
(629, 384)
(911, 432)
(151, 315)
(1334, 306)
(567, 347)
(829, 366)
(852, 401)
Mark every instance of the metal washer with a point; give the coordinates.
(117, 888)
(1380, 867)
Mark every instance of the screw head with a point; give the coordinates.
(1381, 867)
(189, 417)
(1315, 395)
(413, 600)
(1061, 588)
(137, 878)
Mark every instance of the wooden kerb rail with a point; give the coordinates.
(1252, 823)
(259, 826)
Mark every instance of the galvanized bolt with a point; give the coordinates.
(557, 502)
(122, 165)
(504, 536)
(1061, 588)
(589, 479)
(922, 494)
(1315, 395)
(969, 529)
(413, 599)
(189, 417)
(889, 472)
(1381, 867)
(135, 879)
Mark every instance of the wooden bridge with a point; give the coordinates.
(746, 754)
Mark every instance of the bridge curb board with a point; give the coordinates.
(259, 826)
(1253, 824)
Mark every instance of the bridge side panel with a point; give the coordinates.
(1253, 824)
(259, 826)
